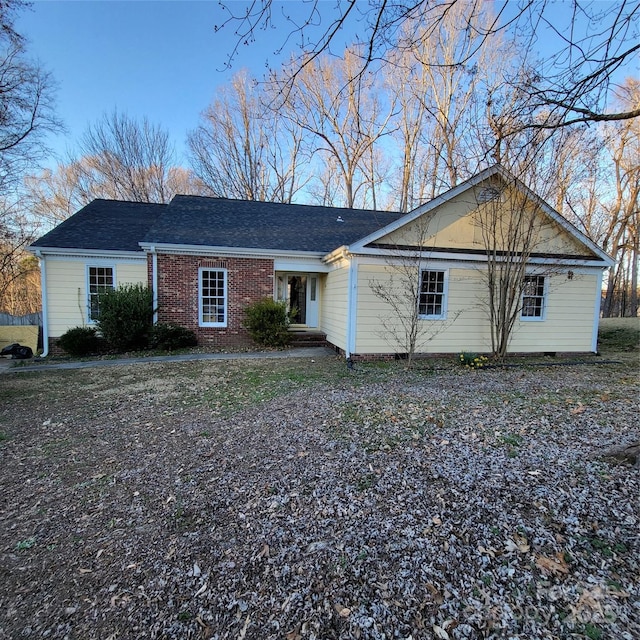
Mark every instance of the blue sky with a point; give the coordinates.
(156, 58)
(159, 59)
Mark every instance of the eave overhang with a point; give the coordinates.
(312, 258)
(85, 253)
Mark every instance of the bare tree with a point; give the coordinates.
(26, 104)
(591, 42)
(54, 195)
(19, 272)
(513, 229)
(26, 116)
(413, 295)
(342, 126)
(620, 237)
(449, 88)
(126, 159)
(243, 149)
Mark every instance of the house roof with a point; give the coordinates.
(112, 225)
(107, 225)
(221, 222)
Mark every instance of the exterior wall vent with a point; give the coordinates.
(488, 194)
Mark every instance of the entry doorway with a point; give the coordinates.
(300, 292)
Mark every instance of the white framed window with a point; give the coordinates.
(99, 279)
(212, 297)
(432, 303)
(534, 298)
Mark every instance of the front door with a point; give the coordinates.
(300, 291)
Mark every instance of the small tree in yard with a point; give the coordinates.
(125, 316)
(411, 294)
(511, 230)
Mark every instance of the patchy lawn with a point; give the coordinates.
(296, 499)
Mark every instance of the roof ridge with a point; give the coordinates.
(284, 204)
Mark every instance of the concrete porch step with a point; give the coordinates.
(301, 338)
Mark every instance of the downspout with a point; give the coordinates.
(45, 307)
(154, 282)
(596, 318)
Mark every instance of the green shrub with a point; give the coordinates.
(80, 341)
(170, 336)
(125, 316)
(267, 322)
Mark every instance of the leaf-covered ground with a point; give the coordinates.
(296, 499)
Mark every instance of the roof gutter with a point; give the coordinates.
(253, 252)
(84, 253)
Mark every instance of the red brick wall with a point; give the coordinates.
(248, 280)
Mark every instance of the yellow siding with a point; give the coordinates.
(568, 325)
(67, 289)
(461, 223)
(334, 306)
(569, 320)
(26, 335)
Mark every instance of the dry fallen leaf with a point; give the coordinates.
(440, 632)
(343, 612)
(555, 566)
(591, 599)
(522, 544)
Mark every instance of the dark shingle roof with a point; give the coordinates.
(107, 225)
(217, 222)
(220, 222)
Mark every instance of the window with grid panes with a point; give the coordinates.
(213, 297)
(533, 298)
(100, 279)
(432, 294)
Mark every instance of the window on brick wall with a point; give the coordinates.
(99, 279)
(213, 298)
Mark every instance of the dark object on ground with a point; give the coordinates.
(626, 453)
(17, 351)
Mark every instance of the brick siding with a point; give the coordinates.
(248, 280)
